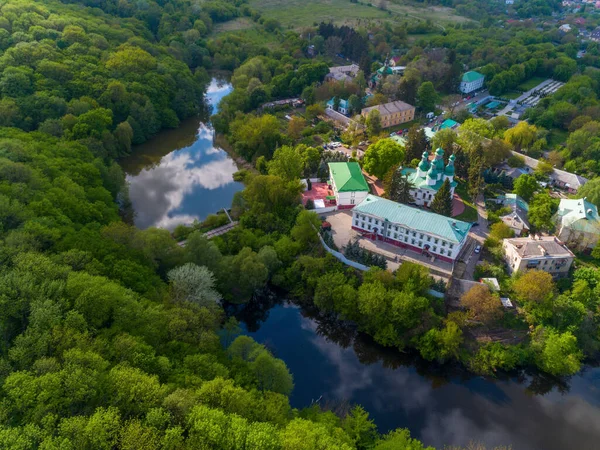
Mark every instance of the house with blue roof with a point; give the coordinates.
(344, 106)
(578, 223)
(424, 232)
(429, 176)
(518, 217)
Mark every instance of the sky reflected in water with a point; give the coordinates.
(440, 409)
(180, 176)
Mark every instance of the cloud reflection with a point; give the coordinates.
(158, 193)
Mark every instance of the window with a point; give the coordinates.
(389, 233)
(443, 243)
(356, 223)
(352, 201)
(376, 222)
(428, 238)
(405, 239)
(412, 241)
(369, 227)
(451, 246)
(437, 240)
(370, 220)
(414, 234)
(395, 235)
(421, 236)
(396, 228)
(435, 248)
(362, 217)
(441, 251)
(420, 244)
(362, 225)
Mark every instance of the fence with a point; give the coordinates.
(342, 258)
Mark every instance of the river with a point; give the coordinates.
(180, 176)
(440, 405)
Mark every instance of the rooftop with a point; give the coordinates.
(348, 177)
(571, 180)
(421, 182)
(389, 108)
(539, 246)
(448, 123)
(416, 219)
(579, 214)
(471, 76)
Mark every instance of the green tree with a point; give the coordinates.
(556, 353)
(382, 156)
(442, 202)
(525, 186)
(373, 122)
(427, 97)
(416, 143)
(591, 191)
(195, 284)
(521, 135)
(397, 187)
(287, 163)
(541, 211)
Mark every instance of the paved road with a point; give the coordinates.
(478, 235)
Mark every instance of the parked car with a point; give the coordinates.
(478, 248)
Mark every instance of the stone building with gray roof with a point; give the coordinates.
(545, 253)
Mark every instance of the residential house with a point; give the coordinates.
(545, 253)
(348, 184)
(559, 178)
(518, 217)
(565, 28)
(343, 107)
(595, 36)
(427, 233)
(429, 176)
(342, 73)
(393, 113)
(578, 223)
(471, 81)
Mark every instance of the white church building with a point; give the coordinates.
(429, 176)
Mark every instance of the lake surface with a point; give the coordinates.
(180, 176)
(441, 406)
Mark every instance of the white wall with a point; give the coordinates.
(350, 198)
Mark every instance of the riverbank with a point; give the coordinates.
(220, 140)
(444, 405)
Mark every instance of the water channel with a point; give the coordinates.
(440, 405)
(180, 176)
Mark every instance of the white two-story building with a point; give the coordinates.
(427, 233)
(348, 184)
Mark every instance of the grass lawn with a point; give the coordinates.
(511, 95)
(470, 213)
(531, 83)
(302, 13)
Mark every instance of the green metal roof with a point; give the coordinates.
(421, 182)
(579, 215)
(448, 123)
(470, 76)
(416, 219)
(348, 177)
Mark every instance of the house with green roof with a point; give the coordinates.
(348, 184)
(429, 176)
(471, 81)
(343, 106)
(424, 232)
(578, 223)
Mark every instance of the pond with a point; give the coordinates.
(335, 365)
(180, 176)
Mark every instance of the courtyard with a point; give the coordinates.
(342, 232)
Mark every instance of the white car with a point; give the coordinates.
(478, 248)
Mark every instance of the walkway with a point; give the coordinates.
(342, 232)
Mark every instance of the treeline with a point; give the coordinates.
(114, 337)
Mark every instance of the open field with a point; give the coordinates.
(531, 83)
(242, 23)
(301, 13)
